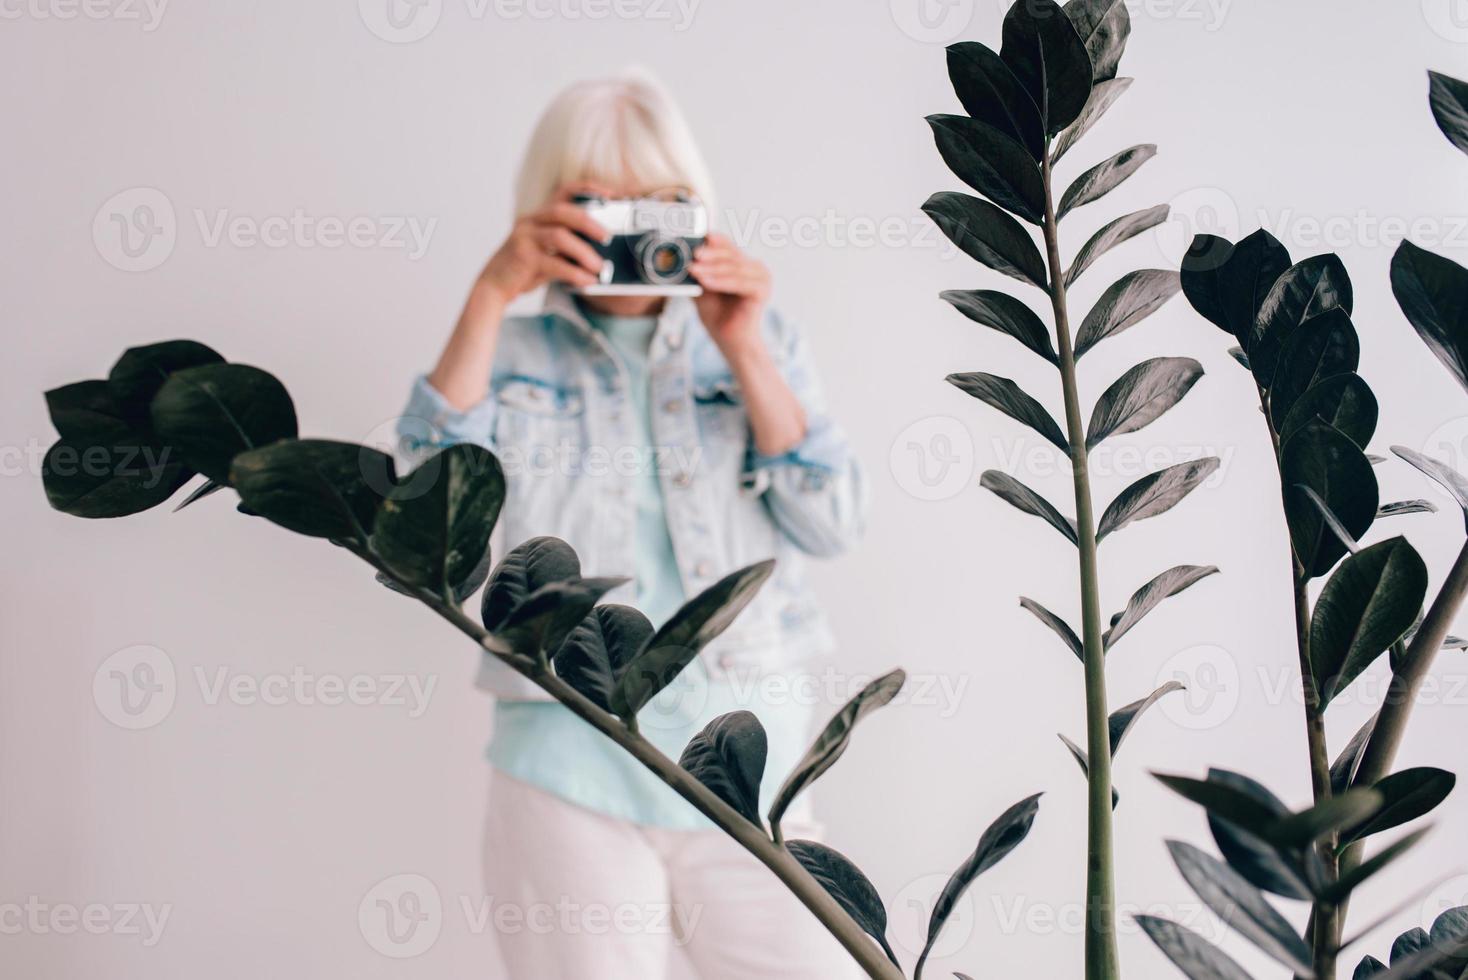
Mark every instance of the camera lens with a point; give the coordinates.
(662, 259)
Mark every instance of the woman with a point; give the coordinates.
(671, 440)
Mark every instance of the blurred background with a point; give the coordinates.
(312, 187)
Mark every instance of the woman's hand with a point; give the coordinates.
(545, 246)
(735, 289)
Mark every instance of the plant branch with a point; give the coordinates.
(1102, 961)
(1324, 928)
(750, 836)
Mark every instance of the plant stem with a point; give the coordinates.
(1324, 930)
(750, 836)
(1102, 962)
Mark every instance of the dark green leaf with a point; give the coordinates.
(315, 487)
(991, 94)
(1228, 283)
(536, 596)
(844, 882)
(1365, 607)
(1104, 177)
(1141, 395)
(1242, 906)
(1323, 346)
(86, 412)
(988, 235)
(433, 530)
(141, 371)
(728, 757)
(1237, 353)
(114, 476)
(1122, 719)
(1399, 508)
(1079, 755)
(1009, 398)
(1344, 402)
(1359, 873)
(1103, 95)
(598, 649)
(1225, 799)
(206, 489)
(1002, 836)
(1455, 483)
(1331, 521)
(1042, 48)
(1061, 627)
(1113, 234)
(540, 624)
(1369, 966)
(992, 163)
(1145, 599)
(693, 627)
(1343, 769)
(1196, 957)
(1448, 97)
(1334, 813)
(1328, 462)
(1155, 494)
(1010, 490)
(214, 412)
(833, 740)
(529, 566)
(1246, 851)
(1103, 25)
(1408, 794)
(1005, 314)
(1126, 302)
(1433, 293)
(1306, 289)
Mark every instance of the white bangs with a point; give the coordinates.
(620, 130)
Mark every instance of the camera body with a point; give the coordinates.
(652, 245)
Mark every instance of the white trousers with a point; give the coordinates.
(580, 895)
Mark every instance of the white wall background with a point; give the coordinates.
(260, 827)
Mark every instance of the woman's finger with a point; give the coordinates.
(557, 240)
(560, 270)
(573, 217)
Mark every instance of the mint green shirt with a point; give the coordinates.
(544, 744)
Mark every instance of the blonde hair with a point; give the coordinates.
(622, 129)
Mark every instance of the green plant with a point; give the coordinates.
(170, 411)
(1026, 106)
(1292, 321)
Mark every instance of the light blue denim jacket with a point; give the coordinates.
(557, 414)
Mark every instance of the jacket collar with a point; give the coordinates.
(672, 328)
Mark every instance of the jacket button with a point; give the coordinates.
(682, 479)
(703, 569)
(673, 406)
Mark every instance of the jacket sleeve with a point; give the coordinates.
(430, 424)
(817, 492)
